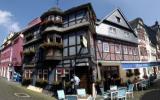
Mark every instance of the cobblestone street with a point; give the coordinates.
(10, 91)
(152, 93)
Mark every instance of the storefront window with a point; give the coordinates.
(45, 74)
(26, 73)
(40, 76)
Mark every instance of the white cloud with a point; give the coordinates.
(7, 21)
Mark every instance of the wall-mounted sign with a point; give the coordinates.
(83, 41)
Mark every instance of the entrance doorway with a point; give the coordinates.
(110, 76)
(83, 73)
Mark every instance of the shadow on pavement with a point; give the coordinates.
(152, 95)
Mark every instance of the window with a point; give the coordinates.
(135, 51)
(58, 40)
(130, 50)
(72, 40)
(79, 14)
(27, 74)
(65, 41)
(45, 74)
(126, 34)
(105, 47)
(52, 17)
(40, 76)
(65, 52)
(118, 19)
(65, 21)
(125, 50)
(118, 48)
(112, 30)
(58, 18)
(72, 51)
(49, 39)
(72, 17)
(72, 20)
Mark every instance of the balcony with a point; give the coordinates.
(29, 64)
(56, 58)
(48, 22)
(52, 54)
(52, 45)
(29, 51)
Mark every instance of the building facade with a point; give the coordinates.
(64, 46)
(143, 45)
(11, 55)
(116, 47)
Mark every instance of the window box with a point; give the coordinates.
(26, 81)
(51, 44)
(41, 83)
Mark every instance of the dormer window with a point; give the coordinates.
(118, 19)
(112, 30)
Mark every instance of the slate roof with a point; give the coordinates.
(134, 22)
(152, 34)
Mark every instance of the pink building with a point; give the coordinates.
(11, 55)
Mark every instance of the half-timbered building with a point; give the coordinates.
(64, 45)
(116, 46)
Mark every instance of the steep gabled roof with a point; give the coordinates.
(111, 19)
(152, 34)
(135, 22)
(87, 5)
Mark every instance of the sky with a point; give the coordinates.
(16, 14)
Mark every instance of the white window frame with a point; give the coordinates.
(130, 49)
(45, 72)
(112, 29)
(40, 72)
(105, 47)
(118, 50)
(125, 49)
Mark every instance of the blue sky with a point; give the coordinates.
(15, 14)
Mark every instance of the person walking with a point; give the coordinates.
(76, 81)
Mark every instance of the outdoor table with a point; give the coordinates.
(136, 84)
(112, 92)
(139, 82)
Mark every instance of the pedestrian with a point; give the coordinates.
(76, 81)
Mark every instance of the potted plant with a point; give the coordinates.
(41, 83)
(136, 72)
(26, 81)
(129, 73)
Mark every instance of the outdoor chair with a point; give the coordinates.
(113, 87)
(62, 96)
(82, 94)
(122, 93)
(130, 90)
(105, 95)
(143, 84)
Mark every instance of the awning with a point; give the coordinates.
(139, 65)
(134, 65)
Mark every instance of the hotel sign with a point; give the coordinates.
(83, 41)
